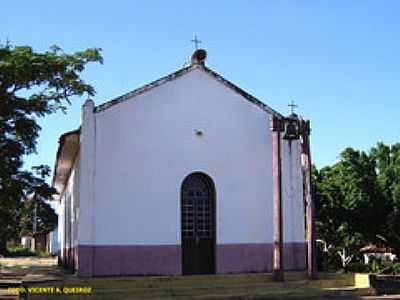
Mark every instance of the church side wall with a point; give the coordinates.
(61, 229)
(87, 192)
(146, 146)
(68, 222)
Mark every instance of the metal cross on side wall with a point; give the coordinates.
(292, 106)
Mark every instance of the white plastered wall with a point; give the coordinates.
(69, 206)
(292, 192)
(144, 147)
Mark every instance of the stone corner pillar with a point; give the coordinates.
(86, 189)
(276, 125)
(310, 206)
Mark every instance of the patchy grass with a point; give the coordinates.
(205, 287)
(34, 271)
(20, 251)
(31, 261)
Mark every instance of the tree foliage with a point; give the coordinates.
(38, 212)
(357, 199)
(32, 85)
(388, 171)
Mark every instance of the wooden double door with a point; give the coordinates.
(198, 224)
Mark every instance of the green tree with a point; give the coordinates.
(34, 209)
(349, 206)
(363, 199)
(46, 218)
(32, 85)
(388, 168)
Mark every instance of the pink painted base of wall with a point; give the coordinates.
(166, 259)
(69, 259)
(242, 258)
(129, 260)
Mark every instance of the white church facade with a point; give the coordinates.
(185, 175)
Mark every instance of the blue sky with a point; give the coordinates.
(338, 60)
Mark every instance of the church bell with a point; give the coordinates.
(291, 130)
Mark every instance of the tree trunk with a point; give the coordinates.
(3, 246)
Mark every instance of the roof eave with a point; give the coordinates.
(66, 154)
(242, 92)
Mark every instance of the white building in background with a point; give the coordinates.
(54, 245)
(176, 177)
(26, 242)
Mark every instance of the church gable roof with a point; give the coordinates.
(180, 73)
(242, 92)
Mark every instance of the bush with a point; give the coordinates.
(396, 268)
(328, 261)
(20, 251)
(375, 266)
(358, 267)
(390, 268)
(42, 254)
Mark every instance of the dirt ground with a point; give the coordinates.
(28, 262)
(28, 272)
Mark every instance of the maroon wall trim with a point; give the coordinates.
(166, 259)
(129, 260)
(85, 260)
(68, 259)
(241, 258)
(295, 256)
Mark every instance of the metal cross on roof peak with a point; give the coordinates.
(292, 106)
(196, 42)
